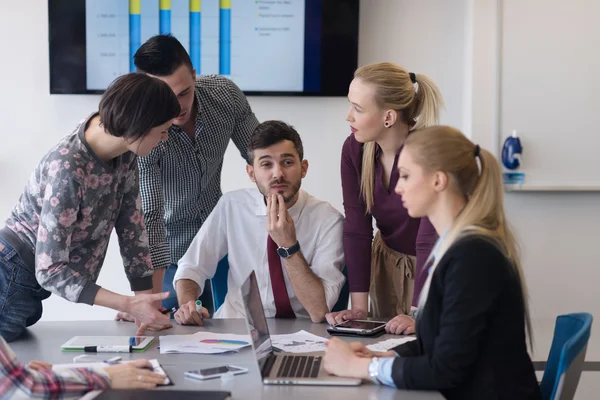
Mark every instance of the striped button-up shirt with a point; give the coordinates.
(180, 180)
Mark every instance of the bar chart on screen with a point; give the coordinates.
(233, 38)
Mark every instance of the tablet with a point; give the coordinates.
(359, 327)
(137, 343)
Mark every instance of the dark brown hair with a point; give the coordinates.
(135, 103)
(161, 55)
(272, 132)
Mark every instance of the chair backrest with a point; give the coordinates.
(567, 354)
(342, 302)
(219, 283)
(219, 287)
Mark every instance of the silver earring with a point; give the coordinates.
(387, 125)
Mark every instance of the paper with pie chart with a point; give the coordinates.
(203, 343)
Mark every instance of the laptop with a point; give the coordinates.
(282, 368)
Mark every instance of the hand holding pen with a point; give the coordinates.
(191, 313)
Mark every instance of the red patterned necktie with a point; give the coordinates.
(282, 300)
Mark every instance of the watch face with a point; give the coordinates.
(282, 252)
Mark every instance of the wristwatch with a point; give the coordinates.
(374, 370)
(286, 252)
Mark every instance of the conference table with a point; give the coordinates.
(43, 340)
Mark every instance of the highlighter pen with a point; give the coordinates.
(108, 349)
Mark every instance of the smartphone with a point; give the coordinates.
(210, 373)
(358, 327)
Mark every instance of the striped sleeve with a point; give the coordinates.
(153, 206)
(20, 382)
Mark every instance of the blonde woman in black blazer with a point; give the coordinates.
(473, 317)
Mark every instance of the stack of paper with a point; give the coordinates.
(203, 343)
(390, 343)
(305, 342)
(299, 342)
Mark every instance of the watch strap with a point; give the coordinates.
(374, 370)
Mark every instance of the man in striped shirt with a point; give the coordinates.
(180, 181)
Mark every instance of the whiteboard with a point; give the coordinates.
(550, 88)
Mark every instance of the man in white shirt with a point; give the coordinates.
(292, 240)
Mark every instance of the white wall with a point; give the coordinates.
(454, 42)
(558, 232)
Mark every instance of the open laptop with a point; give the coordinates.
(282, 368)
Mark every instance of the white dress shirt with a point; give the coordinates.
(237, 227)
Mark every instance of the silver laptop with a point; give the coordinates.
(282, 368)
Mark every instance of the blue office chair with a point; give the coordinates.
(567, 354)
(219, 287)
(207, 297)
(219, 282)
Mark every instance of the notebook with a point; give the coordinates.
(78, 343)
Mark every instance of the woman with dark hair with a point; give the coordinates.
(56, 237)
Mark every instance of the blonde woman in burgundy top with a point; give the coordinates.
(386, 104)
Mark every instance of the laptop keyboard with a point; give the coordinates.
(299, 367)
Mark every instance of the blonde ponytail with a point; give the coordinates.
(367, 175)
(477, 174)
(428, 104)
(418, 103)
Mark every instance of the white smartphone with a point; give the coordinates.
(216, 372)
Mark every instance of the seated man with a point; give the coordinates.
(292, 240)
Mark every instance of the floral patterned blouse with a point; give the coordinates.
(67, 212)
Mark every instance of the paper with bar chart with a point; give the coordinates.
(240, 39)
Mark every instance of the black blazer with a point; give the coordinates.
(471, 341)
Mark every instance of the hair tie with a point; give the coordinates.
(413, 78)
(477, 150)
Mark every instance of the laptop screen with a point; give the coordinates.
(255, 317)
